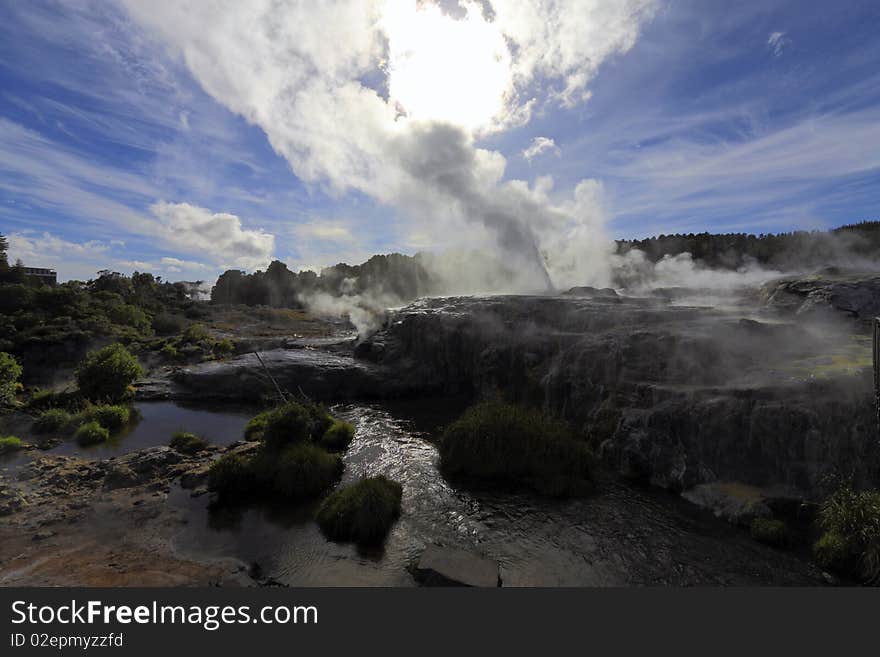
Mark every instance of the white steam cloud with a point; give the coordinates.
(389, 98)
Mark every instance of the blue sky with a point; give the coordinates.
(117, 150)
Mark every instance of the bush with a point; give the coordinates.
(297, 472)
(338, 437)
(289, 424)
(770, 531)
(223, 348)
(10, 373)
(55, 420)
(187, 443)
(196, 333)
(112, 417)
(497, 441)
(230, 475)
(169, 324)
(106, 374)
(91, 433)
(9, 444)
(850, 520)
(363, 513)
(831, 551)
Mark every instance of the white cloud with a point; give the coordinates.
(324, 230)
(70, 259)
(539, 146)
(217, 236)
(777, 42)
(296, 70)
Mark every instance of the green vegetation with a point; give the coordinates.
(91, 433)
(501, 442)
(770, 531)
(107, 374)
(338, 437)
(291, 423)
(9, 444)
(114, 417)
(850, 520)
(363, 512)
(194, 344)
(296, 472)
(10, 373)
(54, 420)
(187, 443)
(292, 461)
(50, 327)
(230, 477)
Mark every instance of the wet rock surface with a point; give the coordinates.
(676, 395)
(71, 521)
(443, 566)
(831, 291)
(325, 373)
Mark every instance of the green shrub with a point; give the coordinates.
(196, 333)
(55, 420)
(106, 374)
(9, 444)
(770, 531)
(112, 417)
(338, 437)
(10, 373)
(169, 324)
(223, 348)
(497, 441)
(850, 520)
(170, 352)
(297, 472)
(91, 433)
(43, 400)
(187, 443)
(230, 476)
(831, 551)
(288, 424)
(362, 513)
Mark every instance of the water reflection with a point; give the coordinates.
(621, 535)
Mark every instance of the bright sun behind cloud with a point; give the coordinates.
(445, 69)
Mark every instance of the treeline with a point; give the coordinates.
(395, 275)
(783, 250)
(49, 326)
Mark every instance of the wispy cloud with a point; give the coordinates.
(777, 42)
(539, 146)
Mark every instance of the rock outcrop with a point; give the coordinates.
(675, 395)
(443, 566)
(828, 293)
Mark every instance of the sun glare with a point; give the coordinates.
(446, 69)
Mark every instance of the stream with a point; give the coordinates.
(622, 535)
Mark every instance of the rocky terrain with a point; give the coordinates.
(68, 521)
(769, 387)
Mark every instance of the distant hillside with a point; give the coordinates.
(780, 251)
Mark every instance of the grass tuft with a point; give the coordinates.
(91, 433)
(338, 437)
(502, 442)
(187, 443)
(10, 444)
(361, 513)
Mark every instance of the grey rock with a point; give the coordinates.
(443, 566)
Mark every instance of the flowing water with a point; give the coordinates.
(620, 535)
